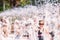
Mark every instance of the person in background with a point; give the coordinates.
(17, 30)
(40, 31)
(11, 33)
(12, 28)
(5, 32)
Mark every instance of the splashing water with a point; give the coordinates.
(48, 12)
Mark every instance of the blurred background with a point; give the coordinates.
(8, 4)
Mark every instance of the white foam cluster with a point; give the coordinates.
(48, 12)
(28, 14)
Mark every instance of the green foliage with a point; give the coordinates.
(1, 8)
(24, 2)
(7, 5)
(1, 5)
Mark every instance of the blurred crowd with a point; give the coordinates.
(29, 29)
(40, 24)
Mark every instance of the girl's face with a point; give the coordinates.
(41, 23)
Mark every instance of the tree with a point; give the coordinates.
(1, 5)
